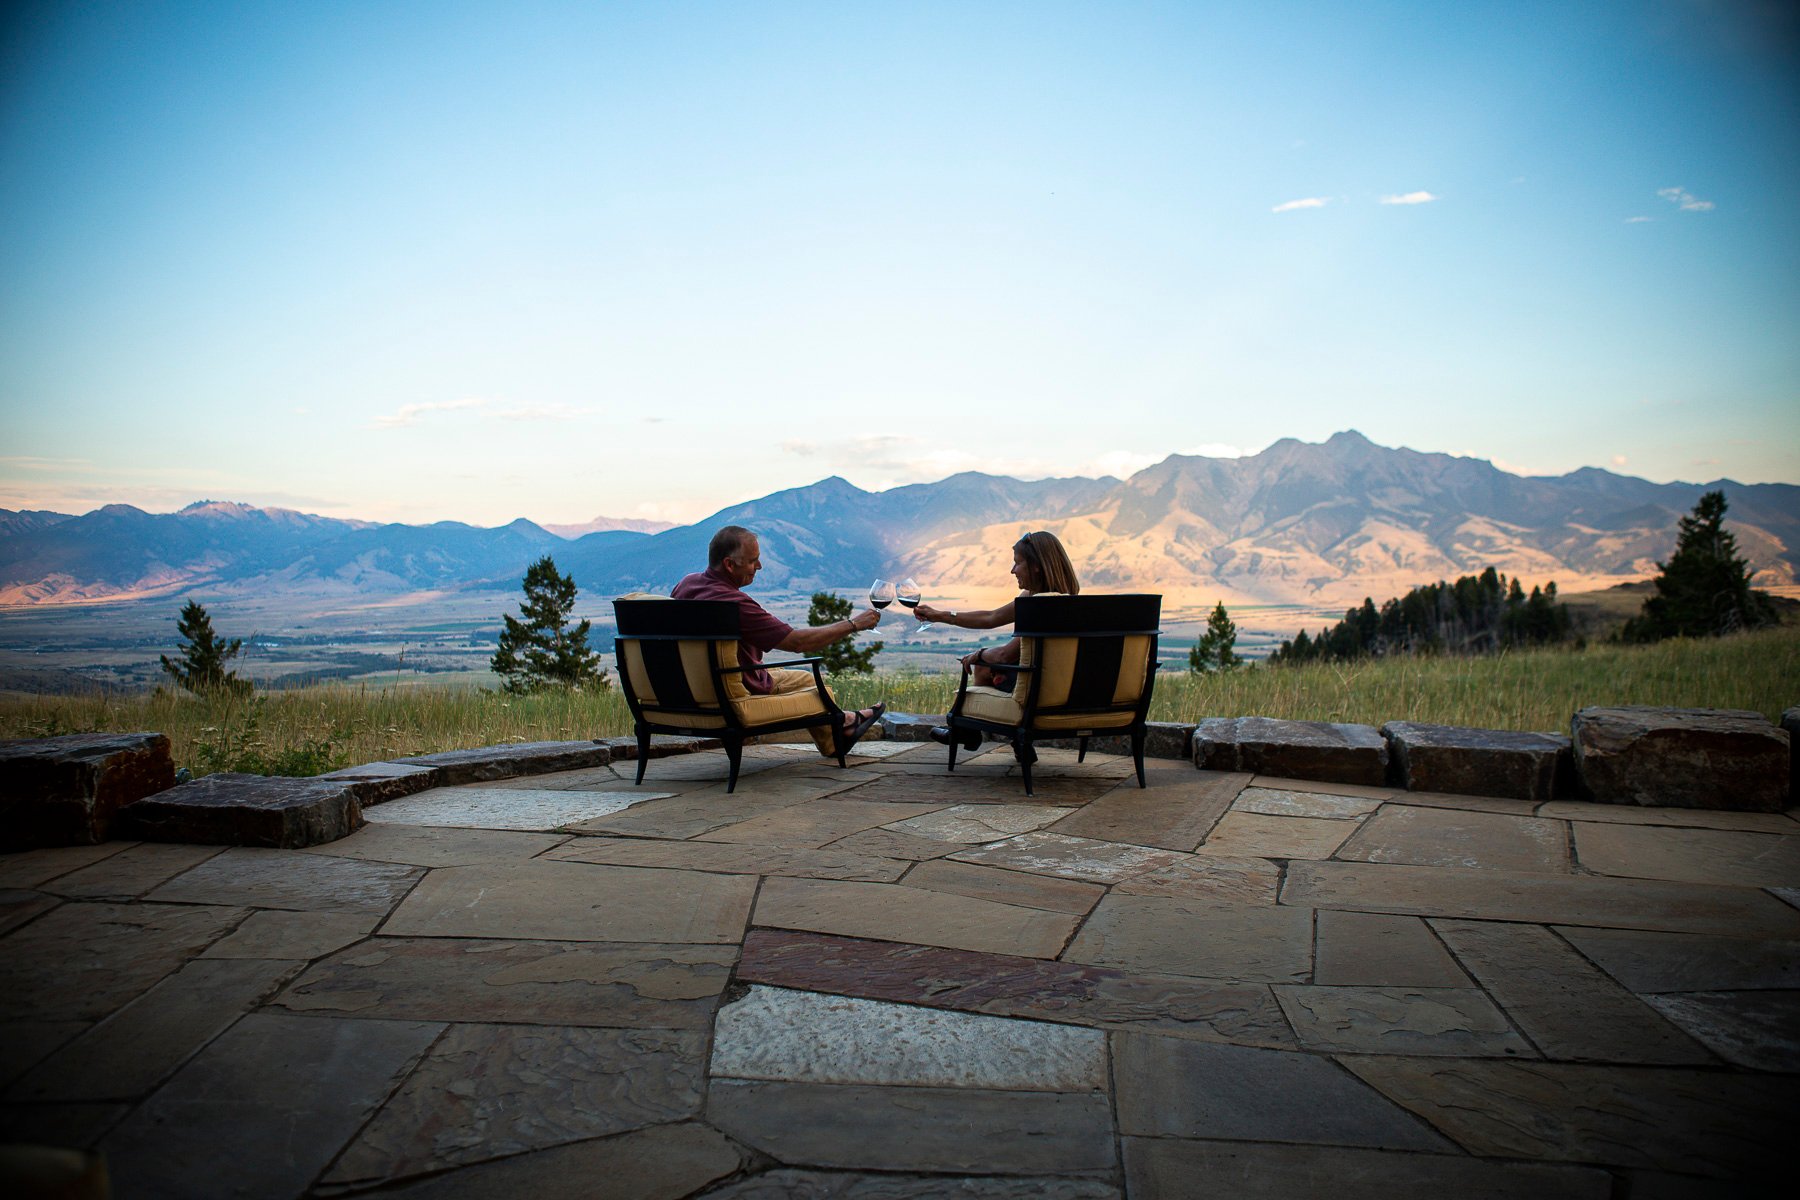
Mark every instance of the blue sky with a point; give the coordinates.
(478, 261)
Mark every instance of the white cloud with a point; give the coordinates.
(1637, 220)
(543, 412)
(1410, 198)
(1295, 205)
(1217, 450)
(1684, 200)
(409, 414)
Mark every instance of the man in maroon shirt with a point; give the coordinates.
(733, 558)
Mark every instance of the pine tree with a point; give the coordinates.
(542, 651)
(201, 667)
(1704, 588)
(841, 657)
(1214, 651)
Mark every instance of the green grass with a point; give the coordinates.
(335, 725)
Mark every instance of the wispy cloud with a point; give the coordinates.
(543, 412)
(1409, 198)
(1685, 200)
(26, 462)
(1296, 205)
(409, 414)
(1638, 220)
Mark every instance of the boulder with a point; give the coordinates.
(1790, 721)
(488, 763)
(909, 727)
(66, 791)
(624, 749)
(388, 781)
(1162, 739)
(1475, 762)
(230, 809)
(1682, 758)
(1322, 750)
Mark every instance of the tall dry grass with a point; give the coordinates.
(1527, 690)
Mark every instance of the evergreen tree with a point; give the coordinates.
(1214, 651)
(201, 667)
(542, 651)
(841, 657)
(1704, 588)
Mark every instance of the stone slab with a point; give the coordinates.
(662, 745)
(892, 912)
(34, 868)
(1321, 750)
(889, 843)
(731, 859)
(426, 846)
(76, 1126)
(1687, 962)
(18, 906)
(82, 961)
(1451, 1022)
(384, 781)
(1175, 812)
(1441, 837)
(1540, 899)
(493, 1091)
(1006, 887)
(1682, 757)
(1790, 724)
(665, 1162)
(810, 1037)
(68, 790)
(24, 1044)
(1069, 857)
(1690, 855)
(1358, 949)
(577, 902)
(1687, 818)
(1162, 739)
(129, 1053)
(1253, 835)
(1477, 762)
(131, 872)
(632, 986)
(1197, 938)
(1756, 1029)
(788, 1184)
(1167, 1168)
(294, 936)
(909, 727)
(232, 809)
(917, 1129)
(810, 823)
(1282, 802)
(969, 786)
(1690, 1121)
(697, 812)
(1007, 985)
(1218, 877)
(970, 824)
(239, 1092)
(280, 879)
(1325, 787)
(487, 763)
(505, 808)
(1168, 1087)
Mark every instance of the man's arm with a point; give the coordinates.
(808, 638)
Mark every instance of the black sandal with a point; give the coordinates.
(863, 724)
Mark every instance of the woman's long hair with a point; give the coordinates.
(1049, 563)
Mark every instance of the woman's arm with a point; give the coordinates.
(986, 618)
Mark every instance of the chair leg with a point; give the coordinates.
(643, 752)
(734, 754)
(1137, 755)
(954, 741)
(1026, 755)
(1081, 751)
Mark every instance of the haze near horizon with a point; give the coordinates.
(416, 262)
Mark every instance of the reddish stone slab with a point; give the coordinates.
(385, 781)
(230, 809)
(1682, 757)
(1476, 762)
(488, 763)
(1002, 985)
(1323, 750)
(66, 791)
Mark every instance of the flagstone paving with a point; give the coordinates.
(891, 981)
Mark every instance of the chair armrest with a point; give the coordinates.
(795, 662)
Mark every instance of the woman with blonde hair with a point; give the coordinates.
(1040, 564)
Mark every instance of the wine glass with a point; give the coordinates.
(908, 595)
(881, 593)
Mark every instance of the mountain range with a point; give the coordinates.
(1305, 523)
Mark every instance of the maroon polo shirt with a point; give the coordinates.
(758, 629)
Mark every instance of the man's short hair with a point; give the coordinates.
(725, 543)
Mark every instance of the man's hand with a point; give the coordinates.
(808, 638)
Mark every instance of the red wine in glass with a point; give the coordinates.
(881, 593)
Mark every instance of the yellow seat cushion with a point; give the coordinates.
(765, 710)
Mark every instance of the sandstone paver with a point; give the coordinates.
(1541, 899)
(1382, 950)
(1006, 887)
(301, 936)
(690, 814)
(810, 1037)
(732, 859)
(1254, 835)
(1283, 802)
(240, 1093)
(890, 843)
(131, 872)
(847, 1185)
(34, 868)
(918, 1129)
(1175, 812)
(260, 878)
(426, 846)
(1697, 856)
(810, 823)
(1364, 791)
(577, 902)
(491, 1091)
(19, 905)
(1201, 938)
(1209, 877)
(893, 912)
(1443, 837)
(980, 787)
(1457, 1022)
(1755, 1029)
(634, 986)
(1173, 1088)
(1688, 962)
(1567, 1007)
(1683, 818)
(1069, 857)
(972, 823)
(1012, 986)
(504, 808)
(75, 1126)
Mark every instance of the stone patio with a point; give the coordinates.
(893, 982)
